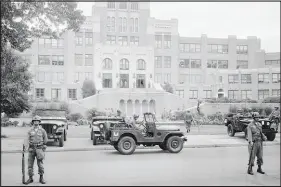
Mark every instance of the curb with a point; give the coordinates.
(141, 147)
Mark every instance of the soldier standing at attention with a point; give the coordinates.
(255, 139)
(188, 119)
(36, 146)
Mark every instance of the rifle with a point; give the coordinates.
(251, 156)
(23, 165)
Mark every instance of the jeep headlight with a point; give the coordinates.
(55, 127)
(262, 122)
(101, 126)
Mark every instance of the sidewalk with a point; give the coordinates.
(85, 144)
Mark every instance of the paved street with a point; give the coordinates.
(206, 166)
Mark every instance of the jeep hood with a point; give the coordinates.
(167, 126)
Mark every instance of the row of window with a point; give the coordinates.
(232, 94)
(57, 60)
(88, 38)
(272, 62)
(51, 43)
(123, 5)
(212, 48)
(122, 40)
(163, 41)
(123, 81)
(247, 78)
(56, 93)
(123, 64)
(122, 22)
(158, 61)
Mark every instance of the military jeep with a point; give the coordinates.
(55, 124)
(236, 124)
(100, 128)
(167, 137)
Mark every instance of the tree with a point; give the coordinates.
(22, 21)
(88, 88)
(15, 83)
(168, 87)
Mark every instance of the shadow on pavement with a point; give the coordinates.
(137, 152)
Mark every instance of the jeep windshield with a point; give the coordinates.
(105, 118)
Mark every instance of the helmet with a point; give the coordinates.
(36, 118)
(240, 110)
(276, 107)
(136, 116)
(255, 115)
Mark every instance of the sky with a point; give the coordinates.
(220, 19)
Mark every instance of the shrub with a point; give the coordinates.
(75, 117)
(271, 100)
(15, 123)
(233, 109)
(93, 112)
(4, 136)
(267, 111)
(24, 124)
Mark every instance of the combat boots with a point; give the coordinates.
(30, 180)
(260, 170)
(250, 170)
(41, 180)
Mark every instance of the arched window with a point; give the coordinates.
(141, 64)
(124, 64)
(107, 64)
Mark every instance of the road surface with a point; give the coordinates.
(192, 166)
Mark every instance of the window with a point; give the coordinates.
(182, 78)
(88, 75)
(56, 94)
(262, 94)
(193, 94)
(124, 80)
(190, 48)
(136, 25)
(141, 64)
(60, 43)
(220, 79)
(167, 41)
(111, 5)
(194, 78)
(158, 78)
(140, 81)
(107, 80)
(112, 24)
(134, 40)
(78, 59)
(233, 94)
(124, 64)
(158, 41)
(158, 61)
(246, 78)
(195, 63)
(123, 5)
(184, 63)
(246, 94)
(58, 60)
(123, 40)
(134, 6)
(27, 58)
(120, 24)
(207, 94)
(276, 92)
(132, 25)
(72, 94)
(221, 64)
(44, 60)
(107, 64)
(108, 24)
(124, 25)
(272, 62)
(242, 64)
(180, 93)
(110, 39)
(78, 76)
(275, 77)
(167, 77)
(88, 38)
(40, 93)
(79, 38)
(215, 48)
(54, 43)
(233, 79)
(58, 77)
(242, 49)
(88, 59)
(167, 62)
(263, 78)
(48, 43)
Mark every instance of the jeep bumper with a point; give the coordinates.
(184, 138)
(54, 136)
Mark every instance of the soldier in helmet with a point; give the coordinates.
(188, 119)
(36, 146)
(255, 139)
(275, 113)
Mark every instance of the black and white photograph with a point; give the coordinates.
(140, 93)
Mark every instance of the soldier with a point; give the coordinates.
(275, 113)
(36, 146)
(188, 119)
(255, 138)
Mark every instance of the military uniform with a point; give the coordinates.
(255, 135)
(188, 120)
(36, 144)
(275, 113)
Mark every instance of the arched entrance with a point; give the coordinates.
(144, 106)
(137, 107)
(152, 106)
(129, 108)
(122, 107)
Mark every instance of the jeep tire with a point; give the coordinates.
(92, 134)
(126, 145)
(163, 146)
(270, 136)
(61, 141)
(94, 139)
(64, 136)
(174, 144)
(230, 130)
